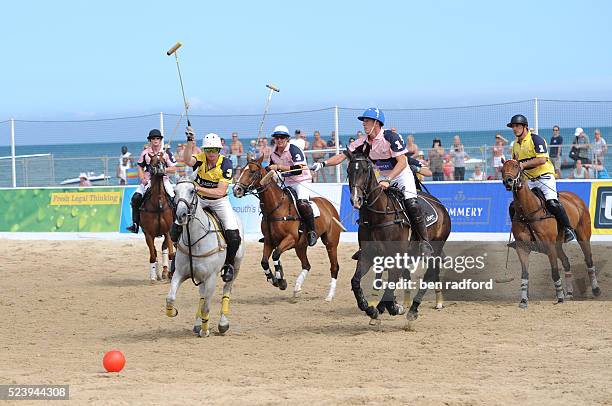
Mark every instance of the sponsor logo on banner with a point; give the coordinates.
(84, 198)
(601, 207)
(468, 210)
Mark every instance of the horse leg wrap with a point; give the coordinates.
(225, 305)
(524, 290)
(153, 271)
(204, 315)
(559, 290)
(278, 269)
(269, 275)
(300, 280)
(593, 278)
(165, 258)
(569, 283)
(332, 290)
(171, 311)
(362, 303)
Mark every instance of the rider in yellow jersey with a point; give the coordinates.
(532, 153)
(214, 175)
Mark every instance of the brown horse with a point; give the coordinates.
(534, 229)
(280, 225)
(382, 219)
(156, 218)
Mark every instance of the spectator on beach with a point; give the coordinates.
(555, 150)
(579, 172)
(478, 173)
(318, 144)
(169, 152)
(448, 169)
(411, 147)
(253, 152)
(299, 140)
(582, 144)
(599, 146)
(421, 158)
(597, 170)
(225, 151)
(359, 135)
(126, 154)
(436, 160)
(498, 155)
(84, 180)
(264, 149)
(180, 152)
(458, 156)
(332, 140)
(122, 170)
(238, 172)
(236, 150)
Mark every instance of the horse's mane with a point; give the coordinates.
(269, 177)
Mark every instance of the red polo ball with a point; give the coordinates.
(113, 361)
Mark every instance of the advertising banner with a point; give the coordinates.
(60, 210)
(601, 207)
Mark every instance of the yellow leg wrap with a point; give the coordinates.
(407, 301)
(200, 307)
(171, 311)
(225, 305)
(203, 314)
(439, 298)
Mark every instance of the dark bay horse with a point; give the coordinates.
(534, 229)
(156, 217)
(280, 225)
(382, 219)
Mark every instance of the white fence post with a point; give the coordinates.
(13, 152)
(161, 123)
(535, 116)
(337, 141)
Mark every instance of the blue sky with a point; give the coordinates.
(75, 60)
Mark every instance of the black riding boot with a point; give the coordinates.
(175, 232)
(308, 216)
(417, 221)
(232, 237)
(135, 203)
(557, 210)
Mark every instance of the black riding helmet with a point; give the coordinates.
(517, 119)
(154, 133)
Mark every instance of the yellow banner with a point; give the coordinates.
(601, 207)
(84, 198)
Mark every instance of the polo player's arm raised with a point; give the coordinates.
(188, 154)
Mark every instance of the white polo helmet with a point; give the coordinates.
(212, 140)
(281, 131)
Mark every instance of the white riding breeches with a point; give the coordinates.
(302, 192)
(223, 208)
(167, 185)
(404, 181)
(546, 184)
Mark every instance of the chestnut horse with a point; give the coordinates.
(156, 217)
(534, 229)
(280, 225)
(382, 219)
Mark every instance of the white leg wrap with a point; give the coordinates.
(165, 258)
(332, 290)
(524, 288)
(569, 283)
(300, 280)
(592, 277)
(153, 271)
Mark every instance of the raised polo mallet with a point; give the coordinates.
(272, 90)
(174, 50)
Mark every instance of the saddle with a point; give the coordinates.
(423, 199)
(216, 220)
(147, 196)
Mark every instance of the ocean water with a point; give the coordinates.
(68, 160)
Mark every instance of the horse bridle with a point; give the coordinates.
(191, 205)
(363, 188)
(513, 182)
(251, 189)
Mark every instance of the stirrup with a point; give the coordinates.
(569, 234)
(133, 228)
(312, 238)
(227, 273)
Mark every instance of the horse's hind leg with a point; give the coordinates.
(331, 245)
(225, 306)
(265, 264)
(300, 250)
(152, 258)
(554, 270)
(569, 285)
(523, 254)
(430, 276)
(287, 243)
(165, 258)
(588, 259)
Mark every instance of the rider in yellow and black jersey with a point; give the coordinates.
(531, 151)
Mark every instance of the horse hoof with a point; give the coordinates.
(523, 304)
(412, 316)
(400, 309)
(374, 322)
(560, 300)
(372, 312)
(297, 293)
(329, 299)
(171, 311)
(204, 333)
(152, 281)
(197, 329)
(569, 296)
(165, 273)
(282, 284)
(223, 328)
(596, 291)
(439, 306)
(159, 278)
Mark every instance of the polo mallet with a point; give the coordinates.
(174, 50)
(272, 89)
